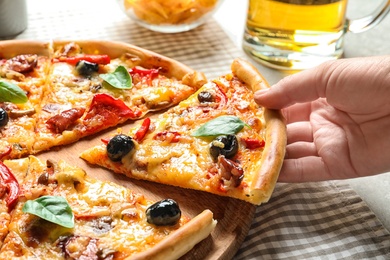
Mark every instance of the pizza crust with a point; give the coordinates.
(181, 241)
(144, 58)
(275, 136)
(11, 48)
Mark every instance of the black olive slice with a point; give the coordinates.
(119, 146)
(3, 117)
(226, 145)
(86, 68)
(163, 213)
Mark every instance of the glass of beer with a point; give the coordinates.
(299, 34)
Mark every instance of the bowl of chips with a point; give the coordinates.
(169, 16)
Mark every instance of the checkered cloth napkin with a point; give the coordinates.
(325, 220)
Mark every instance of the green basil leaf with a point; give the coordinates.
(12, 93)
(120, 78)
(54, 209)
(223, 125)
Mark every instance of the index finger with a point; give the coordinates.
(302, 87)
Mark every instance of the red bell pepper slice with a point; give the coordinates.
(102, 101)
(12, 185)
(6, 153)
(252, 143)
(105, 140)
(94, 58)
(141, 132)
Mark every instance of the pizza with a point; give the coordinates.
(218, 140)
(61, 212)
(126, 110)
(53, 94)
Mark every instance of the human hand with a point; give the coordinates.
(338, 119)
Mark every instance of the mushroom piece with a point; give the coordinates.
(230, 171)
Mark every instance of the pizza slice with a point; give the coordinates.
(62, 213)
(218, 140)
(22, 84)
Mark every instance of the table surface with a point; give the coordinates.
(374, 190)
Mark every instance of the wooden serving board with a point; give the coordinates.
(234, 216)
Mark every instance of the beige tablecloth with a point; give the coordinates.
(326, 220)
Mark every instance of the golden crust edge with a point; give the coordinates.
(275, 135)
(182, 240)
(10, 48)
(148, 59)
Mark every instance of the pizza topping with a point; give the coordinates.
(149, 73)
(158, 97)
(12, 93)
(119, 146)
(35, 230)
(120, 78)
(44, 178)
(223, 125)
(205, 97)
(23, 63)
(69, 49)
(52, 108)
(99, 59)
(105, 254)
(104, 102)
(79, 247)
(50, 167)
(141, 132)
(106, 111)
(3, 117)
(252, 143)
(15, 113)
(169, 136)
(7, 151)
(163, 213)
(54, 209)
(12, 185)
(86, 68)
(226, 145)
(230, 171)
(62, 121)
(102, 225)
(222, 97)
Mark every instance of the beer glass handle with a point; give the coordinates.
(369, 21)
